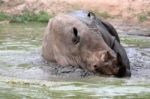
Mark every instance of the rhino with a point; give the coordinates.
(81, 39)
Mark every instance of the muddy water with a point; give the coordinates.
(24, 74)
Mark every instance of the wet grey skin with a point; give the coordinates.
(110, 36)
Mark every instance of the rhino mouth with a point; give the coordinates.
(111, 71)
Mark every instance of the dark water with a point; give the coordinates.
(24, 74)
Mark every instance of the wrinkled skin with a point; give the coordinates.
(80, 41)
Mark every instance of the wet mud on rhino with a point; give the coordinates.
(81, 39)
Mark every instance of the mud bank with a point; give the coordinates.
(135, 10)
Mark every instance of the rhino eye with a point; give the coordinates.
(75, 38)
(75, 31)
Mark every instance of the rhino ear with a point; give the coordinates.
(76, 38)
(91, 15)
(105, 56)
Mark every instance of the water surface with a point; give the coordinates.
(25, 75)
